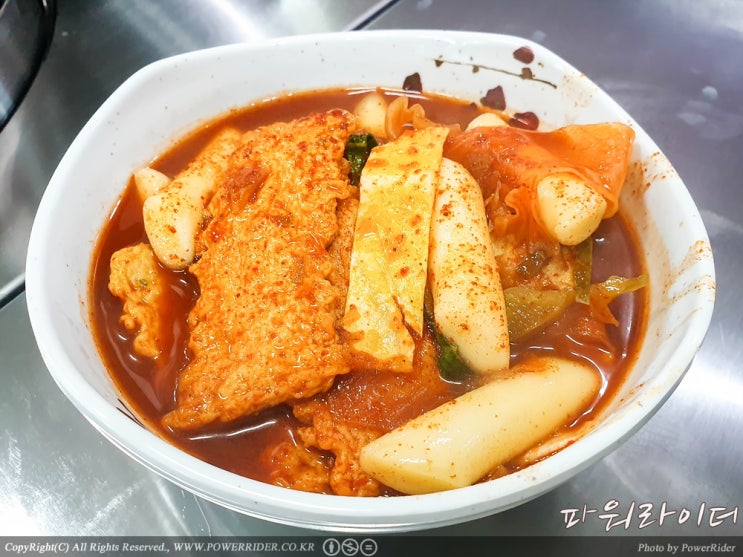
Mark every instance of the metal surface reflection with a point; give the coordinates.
(26, 30)
(96, 46)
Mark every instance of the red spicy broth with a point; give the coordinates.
(148, 386)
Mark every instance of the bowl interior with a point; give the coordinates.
(172, 96)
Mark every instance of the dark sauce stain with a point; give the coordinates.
(413, 83)
(495, 98)
(524, 54)
(525, 121)
(521, 75)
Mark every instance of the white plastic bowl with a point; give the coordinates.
(172, 96)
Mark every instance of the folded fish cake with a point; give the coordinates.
(136, 279)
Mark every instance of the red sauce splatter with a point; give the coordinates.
(524, 120)
(524, 54)
(413, 83)
(495, 98)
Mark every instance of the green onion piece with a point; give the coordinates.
(582, 271)
(615, 286)
(529, 310)
(604, 293)
(451, 364)
(357, 151)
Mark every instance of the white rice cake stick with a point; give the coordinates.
(173, 215)
(458, 443)
(468, 303)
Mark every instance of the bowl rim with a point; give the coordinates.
(316, 511)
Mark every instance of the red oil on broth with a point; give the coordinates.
(148, 386)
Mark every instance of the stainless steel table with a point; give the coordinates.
(673, 64)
